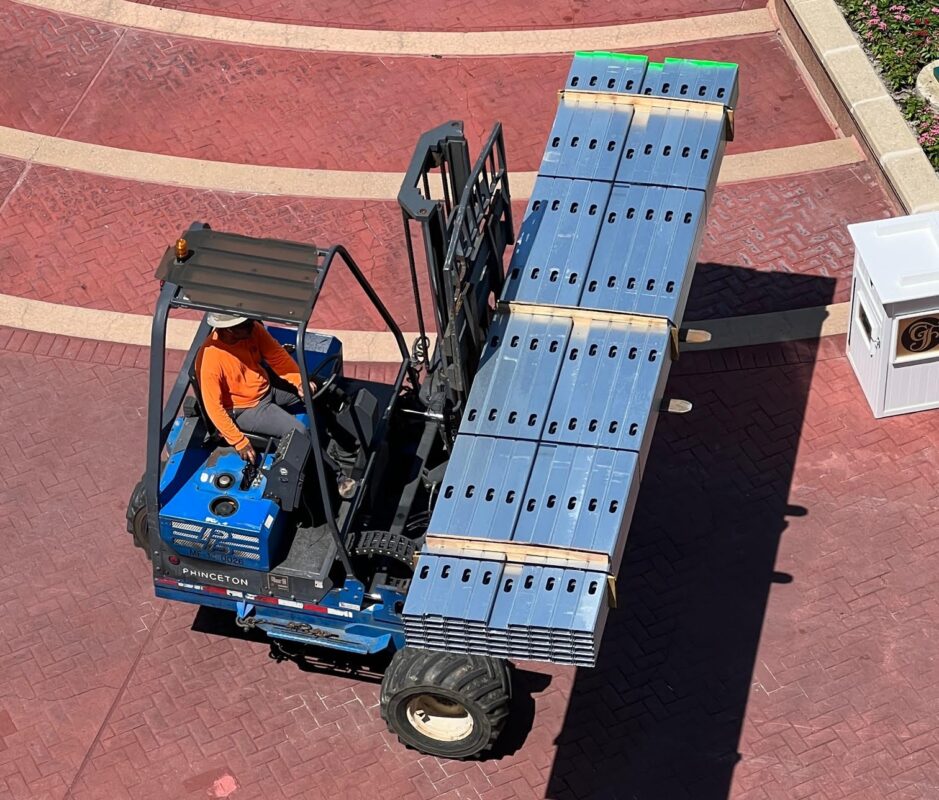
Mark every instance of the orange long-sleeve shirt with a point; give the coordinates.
(232, 376)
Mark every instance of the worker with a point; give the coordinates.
(236, 391)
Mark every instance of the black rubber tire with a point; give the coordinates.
(482, 685)
(137, 518)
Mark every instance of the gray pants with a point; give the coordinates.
(269, 417)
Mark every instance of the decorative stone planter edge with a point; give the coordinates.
(870, 105)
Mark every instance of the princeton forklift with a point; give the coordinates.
(274, 541)
(477, 507)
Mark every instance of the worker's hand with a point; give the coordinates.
(247, 452)
(313, 388)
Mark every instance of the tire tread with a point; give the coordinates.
(484, 680)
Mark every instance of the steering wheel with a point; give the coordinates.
(331, 359)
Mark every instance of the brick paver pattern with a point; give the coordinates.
(201, 99)
(83, 240)
(796, 506)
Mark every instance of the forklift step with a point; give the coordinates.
(311, 555)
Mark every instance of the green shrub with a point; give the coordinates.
(925, 123)
(902, 39)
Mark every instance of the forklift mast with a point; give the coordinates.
(466, 224)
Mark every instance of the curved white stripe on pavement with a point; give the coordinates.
(123, 13)
(346, 184)
(134, 329)
(379, 346)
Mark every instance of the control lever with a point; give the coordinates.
(343, 397)
(250, 472)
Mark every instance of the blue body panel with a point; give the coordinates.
(350, 629)
(251, 537)
(317, 347)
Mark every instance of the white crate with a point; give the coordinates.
(893, 332)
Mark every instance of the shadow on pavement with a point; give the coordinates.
(721, 291)
(525, 684)
(660, 716)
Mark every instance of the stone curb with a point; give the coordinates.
(132, 14)
(137, 166)
(870, 105)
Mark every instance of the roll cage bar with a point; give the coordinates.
(465, 233)
(240, 267)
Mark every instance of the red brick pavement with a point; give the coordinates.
(94, 242)
(116, 354)
(775, 637)
(222, 102)
(781, 244)
(796, 505)
(48, 62)
(443, 16)
(10, 172)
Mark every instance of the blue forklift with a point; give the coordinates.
(477, 508)
(275, 542)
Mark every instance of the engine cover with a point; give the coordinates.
(211, 518)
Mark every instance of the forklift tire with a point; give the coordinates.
(451, 705)
(137, 518)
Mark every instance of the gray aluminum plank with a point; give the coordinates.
(677, 147)
(549, 494)
(550, 590)
(687, 79)
(625, 368)
(505, 598)
(584, 500)
(530, 597)
(452, 587)
(607, 72)
(482, 488)
(556, 241)
(563, 418)
(586, 140)
(416, 602)
(592, 607)
(645, 254)
(470, 594)
(512, 389)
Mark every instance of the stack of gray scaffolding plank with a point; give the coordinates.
(532, 516)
